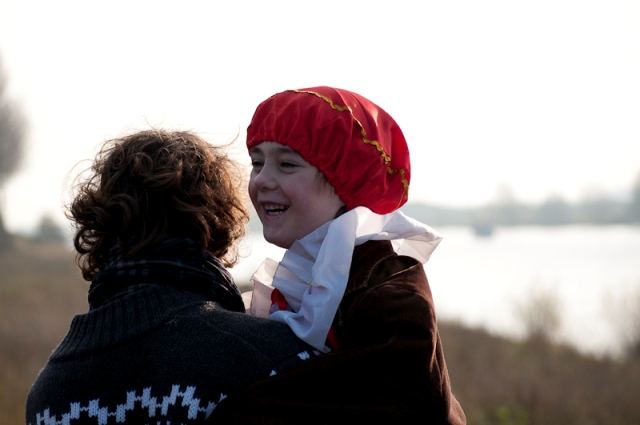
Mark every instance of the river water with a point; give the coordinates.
(592, 272)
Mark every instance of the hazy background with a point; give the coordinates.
(534, 103)
(541, 97)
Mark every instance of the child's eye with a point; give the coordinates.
(256, 163)
(288, 165)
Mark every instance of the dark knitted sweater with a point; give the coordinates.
(156, 353)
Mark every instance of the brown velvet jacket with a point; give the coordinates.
(389, 367)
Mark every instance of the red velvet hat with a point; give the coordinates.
(353, 142)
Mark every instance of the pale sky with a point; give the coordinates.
(542, 96)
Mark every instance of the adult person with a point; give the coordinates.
(165, 338)
(330, 170)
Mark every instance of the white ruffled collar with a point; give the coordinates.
(313, 273)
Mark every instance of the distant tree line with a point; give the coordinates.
(555, 211)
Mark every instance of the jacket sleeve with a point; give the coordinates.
(389, 367)
(394, 311)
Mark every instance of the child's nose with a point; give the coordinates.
(264, 179)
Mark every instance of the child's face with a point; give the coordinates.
(290, 195)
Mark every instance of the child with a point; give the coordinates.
(330, 170)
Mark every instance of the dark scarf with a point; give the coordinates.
(177, 262)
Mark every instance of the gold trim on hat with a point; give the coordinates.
(385, 156)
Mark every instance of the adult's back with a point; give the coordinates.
(157, 355)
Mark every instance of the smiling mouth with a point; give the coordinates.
(274, 210)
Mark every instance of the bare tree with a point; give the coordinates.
(623, 311)
(11, 146)
(539, 314)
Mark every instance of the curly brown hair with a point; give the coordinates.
(154, 184)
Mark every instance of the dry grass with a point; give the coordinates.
(40, 291)
(502, 382)
(498, 381)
